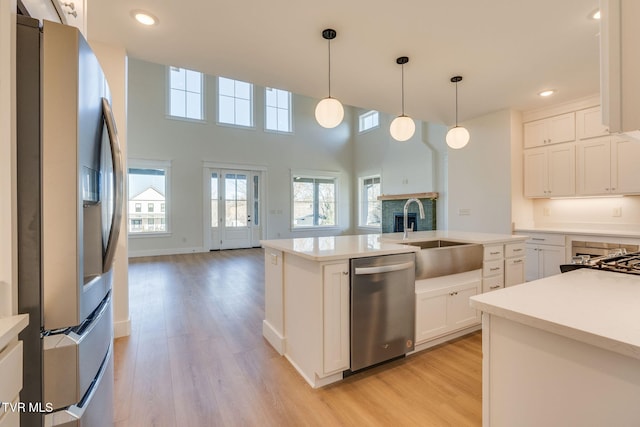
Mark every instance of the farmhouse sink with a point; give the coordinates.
(443, 257)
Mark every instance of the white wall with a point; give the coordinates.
(151, 135)
(594, 213)
(414, 166)
(8, 238)
(479, 176)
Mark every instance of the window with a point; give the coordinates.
(235, 102)
(314, 201)
(370, 206)
(148, 186)
(186, 94)
(277, 110)
(369, 120)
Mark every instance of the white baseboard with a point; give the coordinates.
(271, 334)
(122, 328)
(158, 252)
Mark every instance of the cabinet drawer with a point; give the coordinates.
(493, 252)
(512, 250)
(547, 239)
(492, 283)
(11, 372)
(493, 268)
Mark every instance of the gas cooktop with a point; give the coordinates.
(617, 262)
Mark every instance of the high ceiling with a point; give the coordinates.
(506, 50)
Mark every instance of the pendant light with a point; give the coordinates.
(458, 136)
(329, 111)
(402, 127)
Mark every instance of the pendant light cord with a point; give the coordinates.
(456, 104)
(329, 44)
(402, 89)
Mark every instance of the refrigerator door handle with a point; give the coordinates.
(118, 173)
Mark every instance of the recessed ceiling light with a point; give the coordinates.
(545, 93)
(595, 14)
(143, 17)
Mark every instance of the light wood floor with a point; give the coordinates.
(196, 357)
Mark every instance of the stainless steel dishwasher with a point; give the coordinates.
(382, 308)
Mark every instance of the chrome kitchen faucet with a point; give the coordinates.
(404, 218)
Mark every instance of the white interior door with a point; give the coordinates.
(235, 208)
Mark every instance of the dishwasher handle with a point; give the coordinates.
(385, 268)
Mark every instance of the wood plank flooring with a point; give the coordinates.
(196, 357)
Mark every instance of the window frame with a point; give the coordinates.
(289, 111)
(361, 201)
(202, 94)
(315, 174)
(361, 120)
(251, 103)
(164, 165)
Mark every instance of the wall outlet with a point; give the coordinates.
(616, 211)
(545, 211)
(464, 211)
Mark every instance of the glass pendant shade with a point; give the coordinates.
(329, 113)
(402, 128)
(457, 137)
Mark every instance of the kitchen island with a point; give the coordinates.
(307, 295)
(562, 351)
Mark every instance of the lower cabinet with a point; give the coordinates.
(545, 254)
(442, 304)
(10, 383)
(335, 308)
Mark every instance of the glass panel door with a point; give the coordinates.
(235, 189)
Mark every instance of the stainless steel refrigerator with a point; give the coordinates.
(70, 184)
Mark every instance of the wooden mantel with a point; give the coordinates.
(408, 196)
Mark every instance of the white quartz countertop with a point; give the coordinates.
(457, 236)
(630, 233)
(358, 246)
(10, 327)
(338, 247)
(596, 307)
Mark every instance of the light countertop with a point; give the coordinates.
(10, 327)
(458, 236)
(596, 307)
(365, 245)
(337, 247)
(628, 233)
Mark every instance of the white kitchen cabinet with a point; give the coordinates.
(273, 323)
(514, 264)
(620, 65)
(335, 287)
(442, 304)
(550, 171)
(552, 130)
(503, 265)
(11, 384)
(544, 255)
(589, 123)
(608, 165)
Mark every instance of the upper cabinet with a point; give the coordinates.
(69, 12)
(75, 14)
(550, 171)
(552, 130)
(589, 123)
(608, 165)
(620, 65)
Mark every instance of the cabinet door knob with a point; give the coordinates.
(346, 273)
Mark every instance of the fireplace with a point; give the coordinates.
(398, 221)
